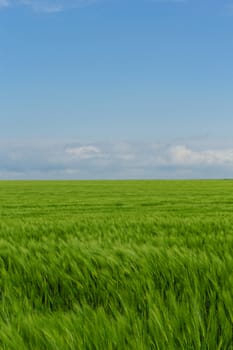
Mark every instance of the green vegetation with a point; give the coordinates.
(116, 265)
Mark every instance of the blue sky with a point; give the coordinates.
(116, 89)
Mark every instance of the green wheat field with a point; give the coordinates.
(116, 265)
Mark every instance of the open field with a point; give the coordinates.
(116, 265)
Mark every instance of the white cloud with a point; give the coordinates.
(84, 152)
(182, 155)
(61, 159)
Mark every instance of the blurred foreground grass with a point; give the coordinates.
(116, 265)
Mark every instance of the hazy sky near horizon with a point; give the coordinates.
(116, 88)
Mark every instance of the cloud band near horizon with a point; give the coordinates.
(119, 160)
